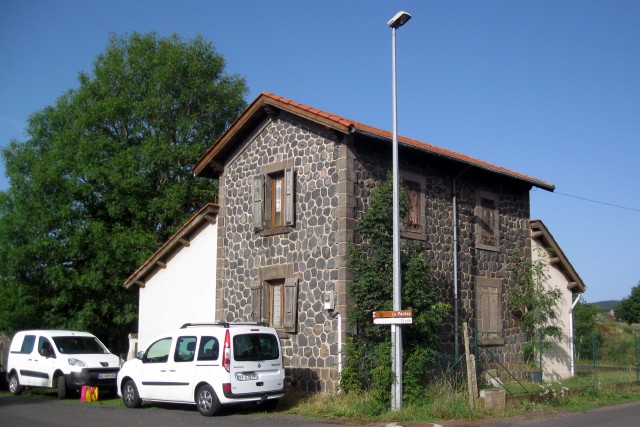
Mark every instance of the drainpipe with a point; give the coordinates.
(454, 202)
(573, 362)
(334, 315)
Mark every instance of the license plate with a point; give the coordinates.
(106, 376)
(252, 376)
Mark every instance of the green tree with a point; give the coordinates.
(629, 308)
(368, 360)
(104, 177)
(536, 303)
(585, 323)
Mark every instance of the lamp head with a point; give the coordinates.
(399, 19)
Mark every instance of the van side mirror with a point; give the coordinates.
(139, 355)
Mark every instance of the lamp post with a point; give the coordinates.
(396, 22)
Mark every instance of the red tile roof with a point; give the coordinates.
(345, 125)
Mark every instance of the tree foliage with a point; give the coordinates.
(104, 177)
(536, 303)
(368, 360)
(585, 325)
(629, 308)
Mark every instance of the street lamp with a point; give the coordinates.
(396, 22)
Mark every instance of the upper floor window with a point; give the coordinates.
(277, 199)
(487, 230)
(411, 219)
(274, 200)
(414, 222)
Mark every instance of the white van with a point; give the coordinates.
(65, 360)
(209, 365)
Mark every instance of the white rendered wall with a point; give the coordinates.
(556, 361)
(184, 291)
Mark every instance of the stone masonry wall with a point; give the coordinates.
(308, 251)
(373, 164)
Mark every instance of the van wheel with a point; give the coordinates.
(61, 384)
(130, 395)
(207, 401)
(14, 384)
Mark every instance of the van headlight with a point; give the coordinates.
(77, 362)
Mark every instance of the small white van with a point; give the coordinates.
(209, 365)
(65, 360)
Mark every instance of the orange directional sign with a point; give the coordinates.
(397, 313)
(398, 317)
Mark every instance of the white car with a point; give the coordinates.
(65, 360)
(209, 365)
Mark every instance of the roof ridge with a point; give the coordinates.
(362, 127)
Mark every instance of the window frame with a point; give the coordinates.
(272, 285)
(261, 299)
(416, 231)
(264, 203)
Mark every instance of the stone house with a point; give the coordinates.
(292, 182)
(558, 361)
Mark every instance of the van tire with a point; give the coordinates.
(61, 384)
(14, 384)
(207, 401)
(130, 395)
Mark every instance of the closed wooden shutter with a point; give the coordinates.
(489, 310)
(289, 194)
(258, 202)
(256, 301)
(290, 305)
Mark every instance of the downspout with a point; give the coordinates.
(454, 202)
(573, 362)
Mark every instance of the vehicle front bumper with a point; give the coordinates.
(94, 377)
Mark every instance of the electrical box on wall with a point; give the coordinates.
(328, 300)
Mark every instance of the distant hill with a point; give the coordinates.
(606, 305)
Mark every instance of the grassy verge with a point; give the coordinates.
(443, 404)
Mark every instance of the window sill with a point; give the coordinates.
(491, 341)
(415, 234)
(275, 231)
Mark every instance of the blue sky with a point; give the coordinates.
(547, 88)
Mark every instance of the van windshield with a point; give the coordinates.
(254, 347)
(79, 345)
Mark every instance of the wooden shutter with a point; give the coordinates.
(489, 310)
(258, 202)
(256, 301)
(290, 304)
(289, 197)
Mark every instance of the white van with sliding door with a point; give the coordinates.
(65, 360)
(209, 365)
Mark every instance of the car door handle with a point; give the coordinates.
(172, 370)
(163, 370)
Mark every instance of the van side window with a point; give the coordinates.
(27, 344)
(185, 349)
(158, 352)
(44, 348)
(209, 349)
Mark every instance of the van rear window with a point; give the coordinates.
(254, 347)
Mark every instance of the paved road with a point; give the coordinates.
(30, 412)
(18, 411)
